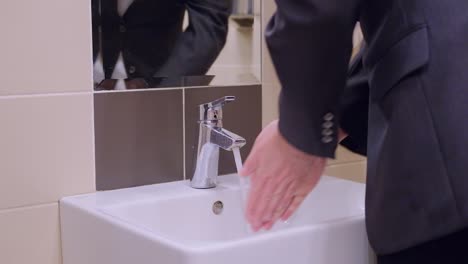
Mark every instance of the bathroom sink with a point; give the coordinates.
(172, 223)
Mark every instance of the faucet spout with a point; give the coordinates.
(226, 139)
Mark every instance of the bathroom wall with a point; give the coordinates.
(48, 114)
(46, 123)
(347, 165)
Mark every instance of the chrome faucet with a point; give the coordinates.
(212, 136)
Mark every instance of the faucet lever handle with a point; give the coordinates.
(213, 111)
(220, 102)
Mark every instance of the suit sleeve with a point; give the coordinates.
(200, 44)
(310, 42)
(354, 107)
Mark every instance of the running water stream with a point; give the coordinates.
(243, 184)
(243, 181)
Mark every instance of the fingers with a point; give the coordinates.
(298, 194)
(292, 208)
(277, 213)
(277, 203)
(282, 206)
(257, 191)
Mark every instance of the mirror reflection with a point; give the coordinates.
(141, 44)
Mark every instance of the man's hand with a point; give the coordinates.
(281, 178)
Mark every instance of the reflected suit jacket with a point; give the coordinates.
(408, 110)
(152, 40)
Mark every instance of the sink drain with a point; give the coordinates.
(218, 207)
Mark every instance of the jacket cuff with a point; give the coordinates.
(356, 128)
(313, 132)
(355, 146)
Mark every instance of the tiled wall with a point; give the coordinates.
(47, 144)
(140, 135)
(46, 123)
(347, 165)
(139, 138)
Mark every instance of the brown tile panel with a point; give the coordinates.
(243, 117)
(139, 138)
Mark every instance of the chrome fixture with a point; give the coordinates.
(212, 136)
(243, 7)
(243, 13)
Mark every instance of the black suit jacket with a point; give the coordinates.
(416, 67)
(152, 40)
(354, 105)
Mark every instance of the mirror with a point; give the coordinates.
(140, 44)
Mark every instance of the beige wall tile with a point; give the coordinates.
(269, 7)
(268, 71)
(351, 171)
(269, 75)
(45, 46)
(270, 94)
(271, 85)
(46, 148)
(30, 235)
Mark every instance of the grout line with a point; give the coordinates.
(176, 88)
(262, 41)
(60, 238)
(26, 207)
(152, 89)
(93, 126)
(139, 90)
(354, 162)
(20, 96)
(183, 135)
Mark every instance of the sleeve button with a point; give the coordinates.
(328, 117)
(327, 132)
(327, 124)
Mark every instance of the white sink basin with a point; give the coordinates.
(175, 224)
